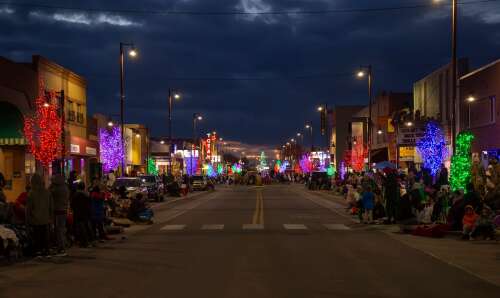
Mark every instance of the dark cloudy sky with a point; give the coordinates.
(295, 60)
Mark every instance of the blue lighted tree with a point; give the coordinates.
(432, 147)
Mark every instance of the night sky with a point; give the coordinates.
(256, 78)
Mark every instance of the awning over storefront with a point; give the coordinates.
(11, 125)
(83, 147)
(379, 155)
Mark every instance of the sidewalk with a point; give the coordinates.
(479, 258)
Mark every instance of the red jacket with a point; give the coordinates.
(470, 219)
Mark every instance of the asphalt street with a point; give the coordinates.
(272, 241)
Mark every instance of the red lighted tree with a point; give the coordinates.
(43, 129)
(355, 158)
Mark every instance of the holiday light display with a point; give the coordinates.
(305, 164)
(283, 166)
(461, 162)
(236, 168)
(330, 171)
(110, 148)
(220, 169)
(263, 163)
(277, 166)
(432, 147)
(210, 171)
(355, 158)
(43, 129)
(342, 170)
(152, 170)
(297, 169)
(191, 165)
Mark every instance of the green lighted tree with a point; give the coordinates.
(461, 162)
(152, 167)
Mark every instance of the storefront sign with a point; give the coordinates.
(75, 148)
(409, 136)
(91, 151)
(407, 153)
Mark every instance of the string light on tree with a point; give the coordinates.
(43, 129)
(461, 162)
(432, 147)
(110, 148)
(152, 167)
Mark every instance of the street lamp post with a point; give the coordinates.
(196, 117)
(309, 126)
(171, 94)
(323, 109)
(367, 71)
(454, 19)
(470, 100)
(132, 53)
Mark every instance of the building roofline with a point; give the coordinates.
(37, 59)
(480, 69)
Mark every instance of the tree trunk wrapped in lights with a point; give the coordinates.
(432, 147)
(461, 162)
(43, 129)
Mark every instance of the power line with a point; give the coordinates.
(233, 12)
(232, 78)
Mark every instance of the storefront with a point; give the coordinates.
(16, 164)
(83, 159)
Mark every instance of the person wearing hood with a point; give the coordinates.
(60, 195)
(469, 222)
(39, 211)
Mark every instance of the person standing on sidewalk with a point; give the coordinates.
(97, 197)
(391, 186)
(368, 201)
(39, 212)
(60, 195)
(80, 204)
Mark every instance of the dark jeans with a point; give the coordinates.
(84, 233)
(41, 238)
(98, 226)
(484, 230)
(60, 228)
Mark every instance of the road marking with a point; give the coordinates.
(294, 227)
(258, 215)
(339, 227)
(212, 227)
(253, 227)
(173, 227)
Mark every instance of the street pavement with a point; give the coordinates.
(239, 241)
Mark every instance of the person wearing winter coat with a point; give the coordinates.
(368, 201)
(391, 195)
(97, 198)
(39, 211)
(469, 222)
(60, 194)
(81, 206)
(484, 225)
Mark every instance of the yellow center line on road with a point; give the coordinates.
(258, 215)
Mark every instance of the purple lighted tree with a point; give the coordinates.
(110, 148)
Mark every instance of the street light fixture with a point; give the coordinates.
(471, 98)
(196, 117)
(162, 142)
(320, 108)
(110, 124)
(175, 95)
(132, 53)
(367, 71)
(409, 123)
(380, 132)
(309, 126)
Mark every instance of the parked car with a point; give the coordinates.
(133, 186)
(154, 186)
(199, 183)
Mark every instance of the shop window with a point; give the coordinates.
(482, 112)
(79, 113)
